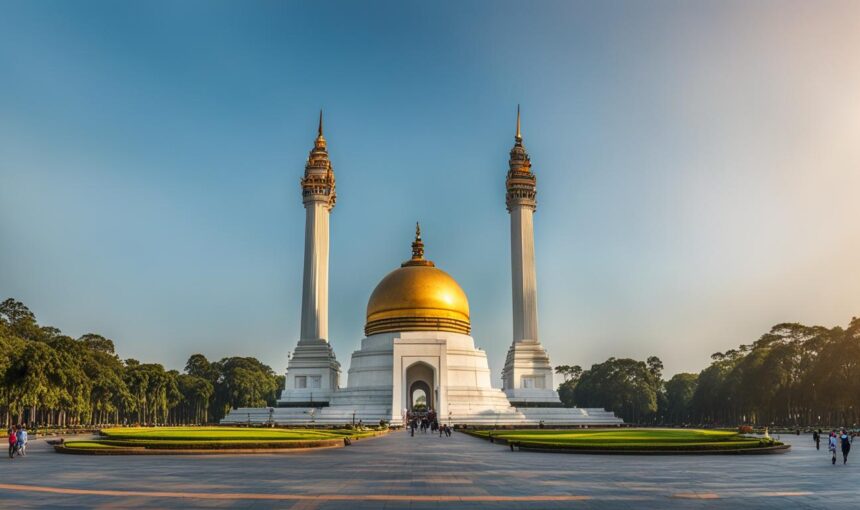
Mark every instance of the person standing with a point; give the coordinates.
(816, 439)
(831, 445)
(13, 442)
(845, 439)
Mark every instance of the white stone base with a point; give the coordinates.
(371, 415)
(313, 360)
(525, 397)
(389, 364)
(528, 375)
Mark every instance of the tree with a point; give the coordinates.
(53, 379)
(679, 394)
(244, 382)
(570, 373)
(98, 343)
(624, 386)
(19, 319)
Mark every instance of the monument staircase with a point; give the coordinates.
(371, 405)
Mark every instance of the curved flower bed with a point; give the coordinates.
(632, 441)
(165, 440)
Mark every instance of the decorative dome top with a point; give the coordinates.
(417, 296)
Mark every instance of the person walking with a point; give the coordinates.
(13, 442)
(816, 435)
(831, 445)
(21, 437)
(845, 439)
(23, 440)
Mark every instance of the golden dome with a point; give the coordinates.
(417, 296)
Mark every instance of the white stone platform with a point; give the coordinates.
(370, 415)
(389, 367)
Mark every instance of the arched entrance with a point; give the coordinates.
(420, 379)
(420, 397)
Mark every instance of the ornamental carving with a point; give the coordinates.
(318, 182)
(521, 183)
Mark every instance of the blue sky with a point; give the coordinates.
(697, 167)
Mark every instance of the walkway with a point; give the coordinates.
(428, 472)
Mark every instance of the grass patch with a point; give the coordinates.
(188, 434)
(213, 438)
(628, 439)
(87, 444)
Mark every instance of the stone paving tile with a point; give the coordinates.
(399, 465)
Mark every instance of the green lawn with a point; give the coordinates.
(225, 434)
(214, 438)
(86, 444)
(627, 439)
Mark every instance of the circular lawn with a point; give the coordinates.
(167, 440)
(632, 440)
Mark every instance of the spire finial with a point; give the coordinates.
(519, 135)
(319, 129)
(417, 251)
(417, 244)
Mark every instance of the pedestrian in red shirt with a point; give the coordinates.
(13, 442)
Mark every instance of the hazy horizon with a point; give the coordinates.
(697, 168)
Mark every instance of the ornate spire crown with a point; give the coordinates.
(519, 156)
(320, 138)
(318, 182)
(417, 251)
(521, 183)
(519, 137)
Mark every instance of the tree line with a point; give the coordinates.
(50, 379)
(794, 375)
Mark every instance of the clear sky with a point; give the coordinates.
(698, 167)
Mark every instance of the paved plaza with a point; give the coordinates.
(428, 472)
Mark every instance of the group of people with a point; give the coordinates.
(836, 440)
(17, 440)
(427, 422)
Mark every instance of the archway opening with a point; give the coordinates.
(419, 400)
(420, 397)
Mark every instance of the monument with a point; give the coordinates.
(527, 376)
(417, 352)
(313, 368)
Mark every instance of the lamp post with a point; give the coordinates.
(353, 418)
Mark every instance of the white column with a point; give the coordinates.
(527, 376)
(315, 285)
(523, 276)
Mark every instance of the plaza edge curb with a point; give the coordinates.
(145, 451)
(740, 451)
